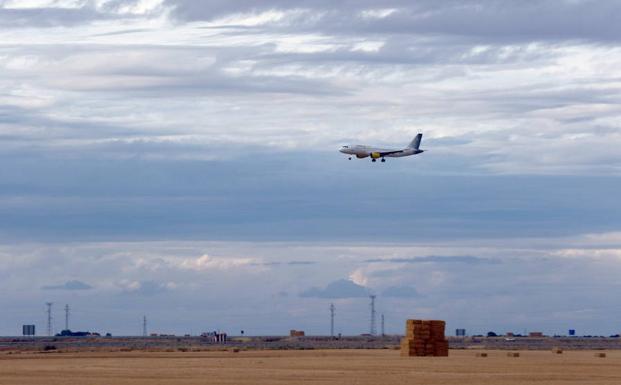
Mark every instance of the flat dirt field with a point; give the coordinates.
(309, 367)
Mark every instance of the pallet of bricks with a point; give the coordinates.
(424, 338)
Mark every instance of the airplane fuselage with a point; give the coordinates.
(361, 151)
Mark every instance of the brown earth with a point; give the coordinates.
(374, 367)
(101, 344)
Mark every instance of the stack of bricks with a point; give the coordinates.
(424, 338)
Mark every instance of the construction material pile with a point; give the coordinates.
(424, 338)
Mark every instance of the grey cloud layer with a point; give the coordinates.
(400, 292)
(489, 20)
(338, 289)
(483, 19)
(531, 105)
(436, 259)
(547, 284)
(72, 13)
(69, 285)
(280, 197)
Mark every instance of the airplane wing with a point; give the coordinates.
(384, 153)
(389, 152)
(376, 154)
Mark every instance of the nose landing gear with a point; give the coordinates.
(383, 160)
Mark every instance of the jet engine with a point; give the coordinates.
(376, 155)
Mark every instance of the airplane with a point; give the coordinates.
(361, 151)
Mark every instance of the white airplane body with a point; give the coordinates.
(361, 151)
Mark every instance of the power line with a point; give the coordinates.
(382, 318)
(332, 320)
(144, 326)
(373, 329)
(49, 318)
(67, 317)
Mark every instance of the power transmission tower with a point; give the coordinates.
(373, 329)
(49, 318)
(144, 326)
(66, 317)
(332, 320)
(382, 318)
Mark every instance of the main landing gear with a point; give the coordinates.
(375, 160)
(350, 158)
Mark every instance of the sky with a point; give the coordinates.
(179, 159)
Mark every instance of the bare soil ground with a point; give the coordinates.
(361, 367)
(76, 344)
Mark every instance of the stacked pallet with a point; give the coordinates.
(424, 338)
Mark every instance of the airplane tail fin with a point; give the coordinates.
(415, 144)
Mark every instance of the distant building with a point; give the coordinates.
(460, 332)
(509, 334)
(215, 337)
(535, 334)
(296, 333)
(572, 332)
(28, 330)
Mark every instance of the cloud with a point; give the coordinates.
(359, 277)
(539, 284)
(491, 20)
(135, 198)
(205, 262)
(145, 288)
(289, 263)
(436, 259)
(488, 20)
(69, 285)
(589, 253)
(301, 263)
(71, 13)
(529, 102)
(400, 292)
(46, 17)
(341, 288)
